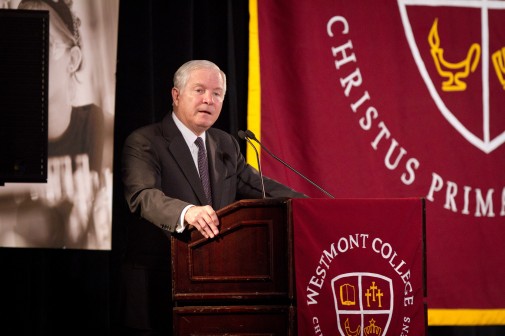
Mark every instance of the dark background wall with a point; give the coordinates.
(74, 292)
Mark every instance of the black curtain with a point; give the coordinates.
(74, 292)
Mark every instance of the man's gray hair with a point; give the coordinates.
(181, 76)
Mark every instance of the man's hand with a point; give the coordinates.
(204, 219)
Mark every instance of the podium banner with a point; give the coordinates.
(359, 267)
(394, 99)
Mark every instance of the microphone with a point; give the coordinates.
(242, 135)
(250, 135)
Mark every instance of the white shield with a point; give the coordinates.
(363, 303)
(486, 142)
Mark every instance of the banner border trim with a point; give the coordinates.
(466, 317)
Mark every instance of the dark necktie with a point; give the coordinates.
(203, 168)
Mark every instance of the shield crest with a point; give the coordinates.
(460, 54)
(363, 303)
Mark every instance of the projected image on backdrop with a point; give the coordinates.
(73, 209)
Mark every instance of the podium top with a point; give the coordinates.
(250, 203)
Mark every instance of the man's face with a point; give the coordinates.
(199, 103)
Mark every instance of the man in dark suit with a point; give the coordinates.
(172, 184)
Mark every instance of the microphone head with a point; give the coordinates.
(250, 134)
(241, 134)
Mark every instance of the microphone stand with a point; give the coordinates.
(242, 135)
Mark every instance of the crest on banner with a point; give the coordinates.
(363, 303)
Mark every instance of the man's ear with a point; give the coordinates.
(175, 96)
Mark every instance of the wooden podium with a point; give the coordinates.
(240, 283)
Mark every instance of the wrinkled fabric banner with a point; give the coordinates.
(392, 99)
(359, 266)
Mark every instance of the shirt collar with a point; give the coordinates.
(188, 135)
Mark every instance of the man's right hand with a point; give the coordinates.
(204, 219)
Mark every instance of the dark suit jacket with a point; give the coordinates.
(160, 178)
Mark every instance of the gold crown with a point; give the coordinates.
(372, 329)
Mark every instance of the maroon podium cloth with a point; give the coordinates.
(359, 266)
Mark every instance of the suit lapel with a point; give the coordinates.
(217, 169)
(182, 156)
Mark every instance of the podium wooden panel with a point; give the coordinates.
(234, 320)
(241, 278)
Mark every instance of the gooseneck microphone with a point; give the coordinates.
(242, 135)
(250, 135)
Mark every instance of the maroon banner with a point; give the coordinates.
(393, 99)
(359, 267)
